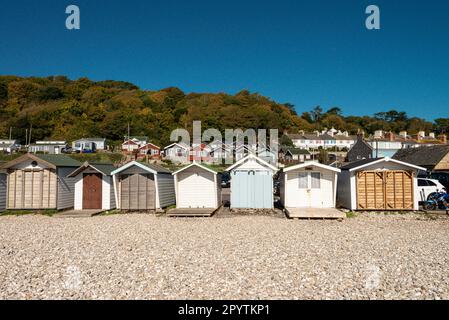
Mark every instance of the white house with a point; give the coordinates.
(48, 146)
(92, 144)
(94, 187)
(177, 153)
(379, 184)
(309, 185)
(197, 186)
(7, 145)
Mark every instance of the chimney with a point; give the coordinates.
(360, 135)
(390, 136)
(443, 138)
(432, 135)
(403, 134)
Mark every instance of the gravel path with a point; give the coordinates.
(228, 257)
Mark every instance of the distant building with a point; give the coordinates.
(360, 150)
(133, 143)
(292, 155)
(325, 139)
(49, 146)
(91, 144)
(9, 146)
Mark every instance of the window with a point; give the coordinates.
(303, 180)
(316, 180)
(422, 183)
(431, 183)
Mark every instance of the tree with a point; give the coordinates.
(286, 141)
(335, 111)
(316, 114)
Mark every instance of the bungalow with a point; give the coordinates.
(143, 186)
(379, 184)
(48, 146)
(91, 144)
(93, 187)
(177, 152)
(293, 155)
(133, 143)
(40, 182)
(252, 183)
(151, 150)
(9, 146)
(197, 186)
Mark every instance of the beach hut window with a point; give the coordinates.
(316, 180)
(303, 178)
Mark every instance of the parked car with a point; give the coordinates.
(442, 177)
(225, 180)
(427, 187)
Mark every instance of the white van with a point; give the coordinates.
(428, 186)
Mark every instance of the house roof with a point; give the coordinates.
(153, 168)
(294, 150)
(177, 144)
(149, 144)
(252, 156)
(91, 139)
(52, 160)
(310, 164)
(103, 168)
(199, 165)
(356, 165)
(423, 156)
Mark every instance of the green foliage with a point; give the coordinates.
(59, 108)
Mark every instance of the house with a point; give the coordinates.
(151, 150)
(309, 185)
(200, 152)
(252, 183)
(220, 153)
(326, 139)
(40, 182)
(379, 184)
(3, 179)
(433, 158)
(133, 143)
(177, 153)
(288, 155)
(94, 189)
(91, 144)
(48, 146)
(9, 146)
(143, 186)
(197, 186)
(360, 150)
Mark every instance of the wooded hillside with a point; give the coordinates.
(60, 108)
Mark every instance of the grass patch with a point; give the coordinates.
(100, 157)
(351, 214)
(111, 213)
(46, 212)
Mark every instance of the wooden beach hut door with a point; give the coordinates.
(138, 192)
(252, 189)
(92, 191)
(385, 190)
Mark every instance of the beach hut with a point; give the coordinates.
(379, 184)
(252, 183)
(94, 189)
(309, 185)
(38, 181)
(2, 190)
(197, 186)
(309, 190)
(143, 186)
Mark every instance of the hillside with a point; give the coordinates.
(60, 108)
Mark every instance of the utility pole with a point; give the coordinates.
(129, 146)
(10, 133)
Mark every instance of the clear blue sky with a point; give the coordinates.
(307, 53)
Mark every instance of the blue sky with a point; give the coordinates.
(307, 53)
